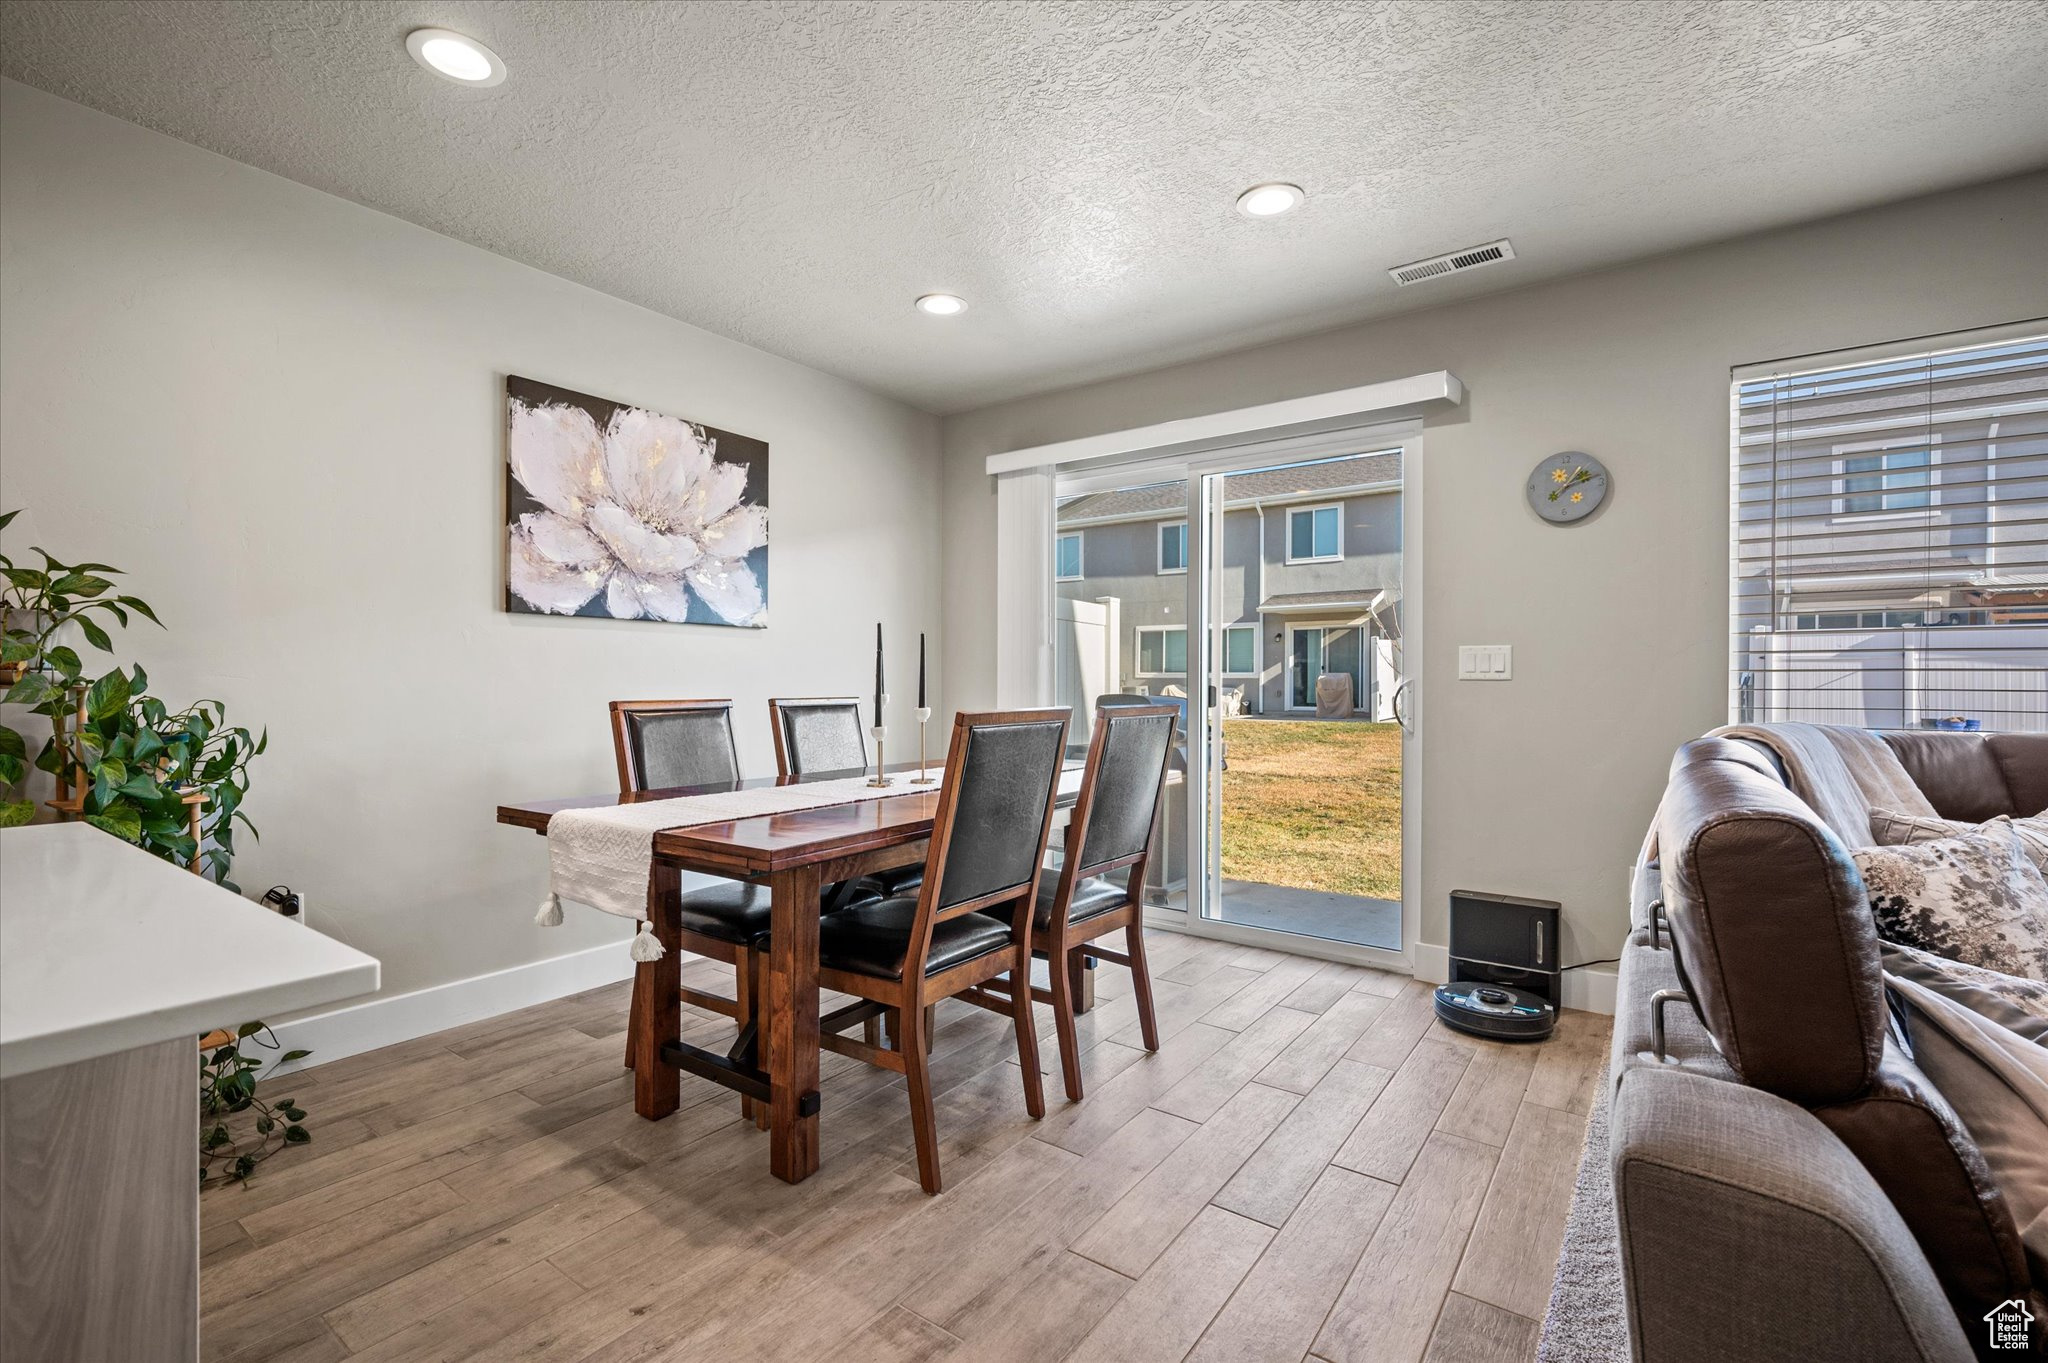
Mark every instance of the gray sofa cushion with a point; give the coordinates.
(1728, 1199)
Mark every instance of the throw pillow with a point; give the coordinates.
(1893, 830)
(1974, 898)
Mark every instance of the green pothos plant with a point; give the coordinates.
(139, 769)
(238, 1129)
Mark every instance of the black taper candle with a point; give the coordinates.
(920, 669)
(878, 675)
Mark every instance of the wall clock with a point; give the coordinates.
(1568, 487)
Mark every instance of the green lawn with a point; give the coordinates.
(1316, 806)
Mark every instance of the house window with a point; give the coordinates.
(1241, 650)
(1162, 650)
(1066, 558)
(1889, 480)
(1888, 562)
(1173, 547)
(1315, 534)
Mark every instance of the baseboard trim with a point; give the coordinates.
(1592, 989)
(351, 1030)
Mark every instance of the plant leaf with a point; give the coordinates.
(94, 635)
(109, 695)
(123, 822)
(16, 813)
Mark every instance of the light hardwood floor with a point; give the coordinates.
(1311, 1165)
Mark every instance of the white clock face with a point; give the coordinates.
(1568, 487)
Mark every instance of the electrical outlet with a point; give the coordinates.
(1486, 662)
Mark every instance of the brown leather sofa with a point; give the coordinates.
(1788, 1185)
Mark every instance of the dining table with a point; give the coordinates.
(796, 855)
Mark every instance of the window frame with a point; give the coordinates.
(1080, 555)
(1257, 668)
(1138, 651)
(1840, 509)
(1337, 509)
(1159, 548)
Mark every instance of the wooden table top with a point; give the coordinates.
(777, 842)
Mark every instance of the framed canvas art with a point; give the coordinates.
(623, 513)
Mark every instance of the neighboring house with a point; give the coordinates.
(1311, 581)
(1890, 564)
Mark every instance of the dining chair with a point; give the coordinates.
(662, 744)
(968, 924)
(815, 735)
(1111, 829)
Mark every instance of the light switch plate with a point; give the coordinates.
(1486, 662)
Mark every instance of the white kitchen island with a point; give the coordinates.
(112, 964)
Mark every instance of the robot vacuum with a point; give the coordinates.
(1495, 1011)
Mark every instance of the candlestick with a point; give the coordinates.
(920, 671)
(880, 735)
(878, 674)
(923, 777)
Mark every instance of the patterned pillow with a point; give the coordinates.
(1895, 830)
(1974, 898)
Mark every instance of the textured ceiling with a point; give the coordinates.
(793, 175)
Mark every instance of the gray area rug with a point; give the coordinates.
(1587, 1321)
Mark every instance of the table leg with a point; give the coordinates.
(657, 1002)
(792, 1024)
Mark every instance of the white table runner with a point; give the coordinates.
(602, 856)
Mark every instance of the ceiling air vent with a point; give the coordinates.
(1451, 262)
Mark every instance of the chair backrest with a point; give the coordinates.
(666, 743)
(1114, 814)
(988, 834)
(814, 735)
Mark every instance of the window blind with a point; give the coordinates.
(1890, 541)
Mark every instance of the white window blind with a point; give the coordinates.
(1890, 540)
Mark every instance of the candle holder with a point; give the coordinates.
(923, 777)
(881, 776)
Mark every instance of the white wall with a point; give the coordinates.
(282, 414)
(1544, 785)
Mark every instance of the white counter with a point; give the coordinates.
(104, 948)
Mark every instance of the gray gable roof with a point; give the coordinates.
(1171, 499)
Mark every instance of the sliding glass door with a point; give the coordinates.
(1262, 593)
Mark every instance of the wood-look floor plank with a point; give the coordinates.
(1287, 1295)
(1471, 1331)
(486, 1195)
(1389, 1305)
(1305, 1060)
(1393, 1033)
(478, 1320)
(1316, 993)
(1216, 1081)
(1483, 1107)
(1571, 1062)
(964, 1285)
(1387, 1140)
(1271, 1183)
(1145, 1221)
(1080, 1127)
(1260, 992)
(1162, 1316)
(1513, 1254)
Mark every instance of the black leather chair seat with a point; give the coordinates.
(871, 938)
(731, 911)
(899, 880)
(1093, 896)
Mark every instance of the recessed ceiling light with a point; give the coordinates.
(462, 60)
(941, 304)
(1270, 201)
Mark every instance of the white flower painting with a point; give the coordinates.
(623, 513)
